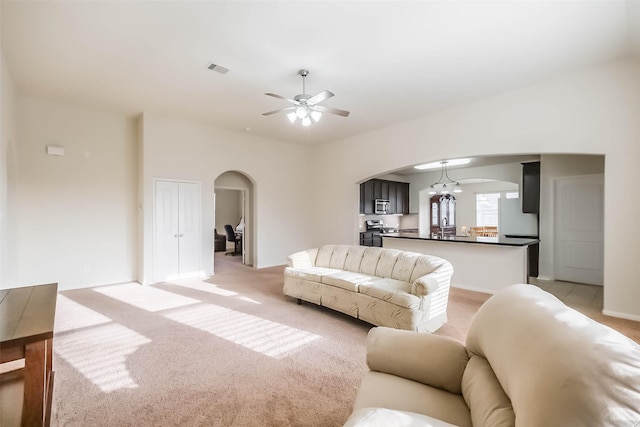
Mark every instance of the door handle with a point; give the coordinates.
(182, 235)
(175, 235)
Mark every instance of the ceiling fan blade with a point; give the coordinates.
(325, 94)
(278, 111)
(282, 97)
(331, 110)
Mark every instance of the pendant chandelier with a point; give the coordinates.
(444, 180)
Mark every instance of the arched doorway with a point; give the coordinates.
(234, 195)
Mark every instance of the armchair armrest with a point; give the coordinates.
(429, 359)
(306, 258)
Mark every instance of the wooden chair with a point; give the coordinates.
(490, 231)
(477, 231)
(485, 231)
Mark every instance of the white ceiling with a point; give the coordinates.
(386, 61)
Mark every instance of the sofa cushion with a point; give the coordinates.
(488, 404)
(305, 258)
(323, 259)
(403, 268)
(347, 279)
(390, 290)
(339, 256)
(381, 417)
(584, 373)
(354, 258)
(313, 274)
(388, 259)
(425, 264)
(370, 259)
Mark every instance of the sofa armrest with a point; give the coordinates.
(429, 283)
(424, 286)
(306, 258)
(429, 359)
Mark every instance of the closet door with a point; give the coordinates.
(189, 229)
(177, 230)
(167, 233)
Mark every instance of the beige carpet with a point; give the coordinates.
(229, 351)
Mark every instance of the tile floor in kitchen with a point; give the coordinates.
(588, 299)
(575, 295)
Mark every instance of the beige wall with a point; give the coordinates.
(77, 217)
(8, 169)
(176, 149)
(90, 202)
(228, 208)
(591, 112)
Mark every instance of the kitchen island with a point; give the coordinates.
(484, 264)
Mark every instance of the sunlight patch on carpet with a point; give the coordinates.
(247, 299)
(100, 354)
(145, 297)
(263, 336)
(75, 316)
(199, 285)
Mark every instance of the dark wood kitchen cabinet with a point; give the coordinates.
(531, 187)
(402, 197)
(367, 197)
(371, 238)
(397, 193)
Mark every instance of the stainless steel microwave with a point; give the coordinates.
(382, 207)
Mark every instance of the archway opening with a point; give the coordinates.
(234, 195)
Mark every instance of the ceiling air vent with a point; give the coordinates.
(218, 68)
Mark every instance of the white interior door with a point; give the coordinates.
(178, 230)
(579, 229)
(167, 231)
(189, 227)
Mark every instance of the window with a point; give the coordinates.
(487, 209)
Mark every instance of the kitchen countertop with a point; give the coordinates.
(499, 241)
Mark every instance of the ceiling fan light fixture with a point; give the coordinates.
(316, 115)
(432, 189)
(457, 188)
(306, 107)
(302, 112)
(444, 190)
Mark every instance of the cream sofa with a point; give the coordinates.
(529, 360)
(385, 287)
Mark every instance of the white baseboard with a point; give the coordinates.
(546, 278)
(620, 315)
(471, 288)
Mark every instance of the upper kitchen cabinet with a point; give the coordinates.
(402, 198)
(531, 187)
(397, 193)
(367, 197)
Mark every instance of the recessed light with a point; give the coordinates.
(438, 165)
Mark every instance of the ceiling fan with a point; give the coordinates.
(305, 107)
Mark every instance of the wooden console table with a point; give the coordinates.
(26, 332)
